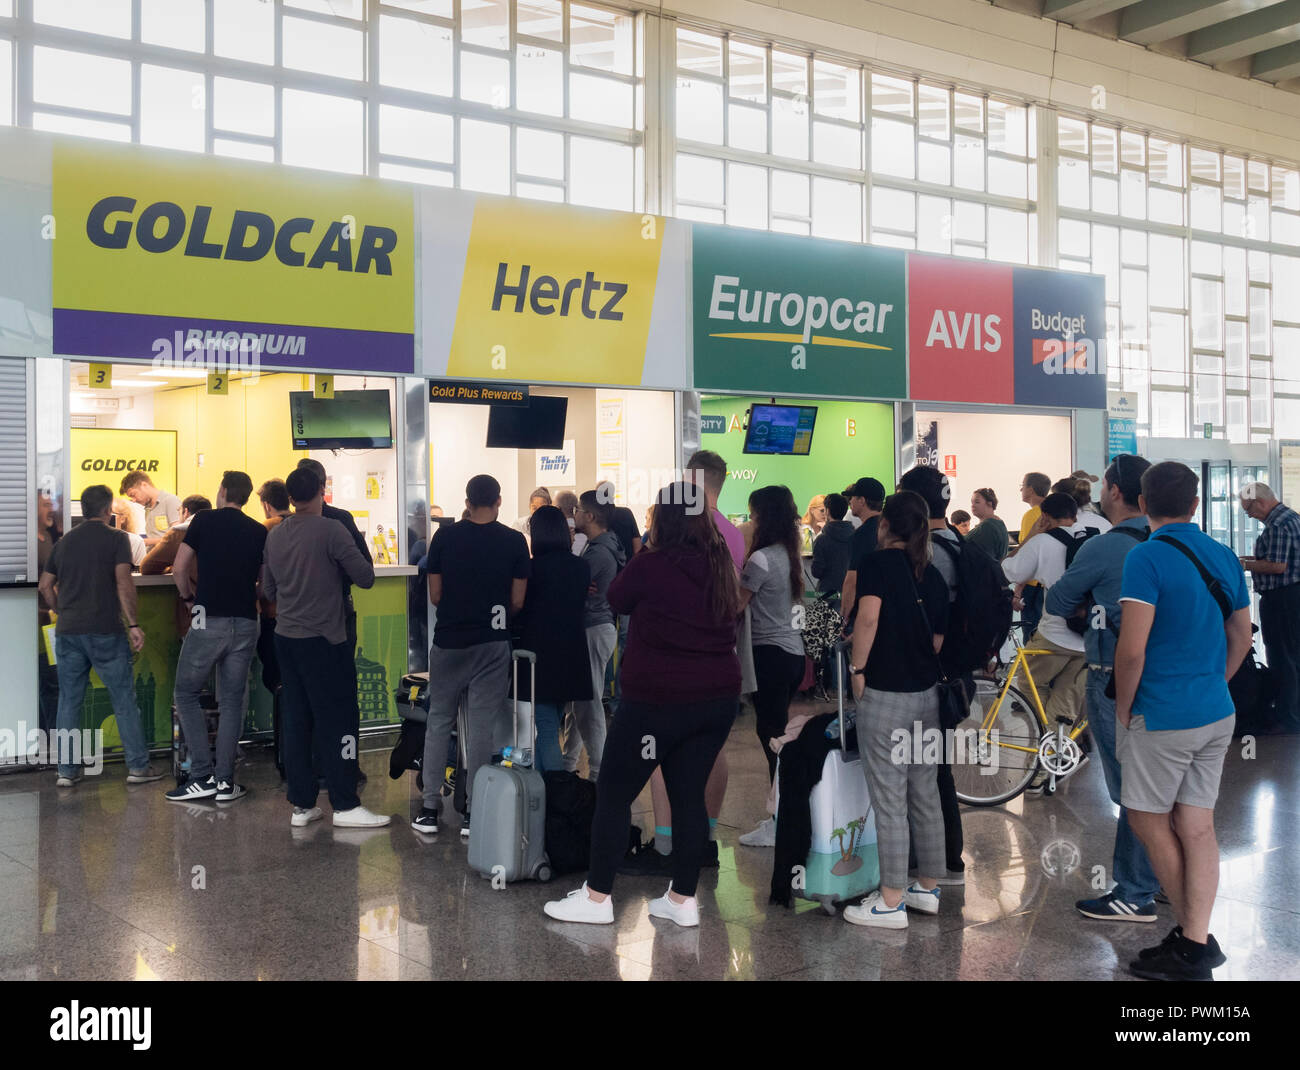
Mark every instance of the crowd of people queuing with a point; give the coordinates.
(1140, 617)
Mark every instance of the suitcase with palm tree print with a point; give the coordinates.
(843, 863)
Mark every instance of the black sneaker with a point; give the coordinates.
(229, 791)
(427, 822)
(1214, 957)
(1173, 963)
(192, 790)
(645, 861)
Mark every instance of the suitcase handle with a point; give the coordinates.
(842, 652)
(531, 658)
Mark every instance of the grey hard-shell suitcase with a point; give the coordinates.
(507, 836)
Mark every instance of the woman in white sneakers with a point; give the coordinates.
(902, 613)
(681, 693)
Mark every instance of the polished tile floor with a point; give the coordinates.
(112, 882)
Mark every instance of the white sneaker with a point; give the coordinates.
(953, 878)
(923, 902)
(360, 818)
(686, 913)
(578, 906)
(303, 816)
(763, 836)
(873, 911)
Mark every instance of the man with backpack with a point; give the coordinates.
(1043, 558)
(979, 621)
(1091, 584)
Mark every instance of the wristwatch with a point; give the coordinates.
(857, 672)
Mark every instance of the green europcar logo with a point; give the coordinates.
(781, 314)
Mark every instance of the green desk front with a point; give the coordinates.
(381, 662)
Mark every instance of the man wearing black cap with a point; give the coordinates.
(866, 499)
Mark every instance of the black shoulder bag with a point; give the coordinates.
(1212, 585)
(954, 702)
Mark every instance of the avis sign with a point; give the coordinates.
(786, 315)
(997, 334)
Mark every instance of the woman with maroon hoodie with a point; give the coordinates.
(681, 693)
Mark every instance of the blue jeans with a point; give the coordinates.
(1135, 880)
(225, 644)
(547, 756)
(110, 656)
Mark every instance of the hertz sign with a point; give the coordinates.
(150, 245)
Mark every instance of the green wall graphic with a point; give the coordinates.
(836, 460)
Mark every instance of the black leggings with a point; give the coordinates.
(683, 738)
(778, 674)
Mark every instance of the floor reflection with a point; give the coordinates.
(112, 882)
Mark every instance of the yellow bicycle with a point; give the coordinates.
(1007, 739)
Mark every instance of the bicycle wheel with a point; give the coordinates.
(999, 769)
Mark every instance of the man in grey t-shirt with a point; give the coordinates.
(161, 509)
(307, 555)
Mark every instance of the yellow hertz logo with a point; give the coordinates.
(730, 301)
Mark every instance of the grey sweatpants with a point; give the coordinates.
(483, 671)
(893, 728)
(586, 723)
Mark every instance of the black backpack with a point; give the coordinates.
(979, 620)
(1073, 543)
(1080, 621)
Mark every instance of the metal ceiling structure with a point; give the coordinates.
(1251, 38)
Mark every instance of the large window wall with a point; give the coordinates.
(1200, 248)
(780, 139)
(1201, 254)
(535, 98)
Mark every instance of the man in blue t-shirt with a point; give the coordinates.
(1185, 630)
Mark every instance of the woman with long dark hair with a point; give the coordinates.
(902, 614)
(551, 626)
(681, 692)
(772, 586)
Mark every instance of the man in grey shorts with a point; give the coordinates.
(1185, 630)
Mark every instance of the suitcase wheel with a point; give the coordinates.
(543, 873)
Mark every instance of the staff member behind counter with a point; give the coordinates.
(161, 510)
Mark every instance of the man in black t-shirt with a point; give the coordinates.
(216, 572)
(866, 499)
(478, 574)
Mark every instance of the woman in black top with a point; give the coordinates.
(902, 613)
(551, 626)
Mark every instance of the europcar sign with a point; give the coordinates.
(159, 252)
(781, 314)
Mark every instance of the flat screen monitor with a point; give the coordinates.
(781, 429)
(539, 425)
(351, 419)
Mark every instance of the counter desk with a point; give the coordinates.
(382, 660)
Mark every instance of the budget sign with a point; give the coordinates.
(1060, 330)
(779, 314)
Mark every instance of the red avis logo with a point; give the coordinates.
(978, 329)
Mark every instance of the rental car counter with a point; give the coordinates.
(381, 661)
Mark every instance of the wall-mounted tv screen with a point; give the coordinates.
(351, 419)
(539, 425)
(782, 429)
